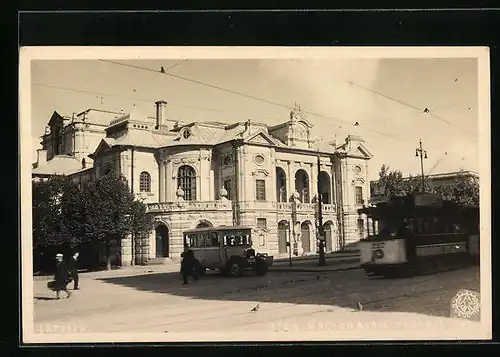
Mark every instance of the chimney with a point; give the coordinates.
(41, 157)
(161, 113)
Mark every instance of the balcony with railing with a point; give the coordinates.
(283, 207)
(186, 206)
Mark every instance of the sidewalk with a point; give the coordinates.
(125, 271)
(333, 263)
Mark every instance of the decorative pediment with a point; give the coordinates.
(360, 151)
(261, 172)
(55, 120)
(101, 148)
(261, 138)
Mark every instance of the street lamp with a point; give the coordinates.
(420, 152)
(321, 234)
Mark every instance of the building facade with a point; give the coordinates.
(212, 174)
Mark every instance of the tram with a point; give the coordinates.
(418, 233)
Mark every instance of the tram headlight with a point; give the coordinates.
(379, 254)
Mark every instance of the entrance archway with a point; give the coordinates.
(162, 241)
(281, 185)
(282, 236)
(325, 187)
(302, 185)
(305, 237)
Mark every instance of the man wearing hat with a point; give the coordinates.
(61, 276)
(73, 269)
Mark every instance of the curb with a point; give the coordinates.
(300, 270)
(315, 257)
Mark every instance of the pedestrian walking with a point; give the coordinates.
(62, 277)
(188, 266)
(73, 270)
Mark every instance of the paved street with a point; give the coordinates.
(288, 301)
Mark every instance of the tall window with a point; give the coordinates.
(359, 195)
(145, 182)
(260, 190)
(227, 187)
(186, 179)
(261, 223)
(361, 226)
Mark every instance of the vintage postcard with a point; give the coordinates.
(255, 194)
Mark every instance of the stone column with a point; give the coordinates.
(161, 179)
(126, 250)
(290, 181)
(313, 182)
(211, 184)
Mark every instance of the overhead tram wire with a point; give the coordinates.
(122, 97)
(246, 96)
(429, 112)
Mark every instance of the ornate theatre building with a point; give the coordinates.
(212, 174)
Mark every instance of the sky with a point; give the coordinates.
(386, 97)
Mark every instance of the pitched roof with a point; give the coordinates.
(58, 165)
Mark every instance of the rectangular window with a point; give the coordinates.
(227, 185)
(361, 225)
(359, 195)
(260, 188)
(261, 223)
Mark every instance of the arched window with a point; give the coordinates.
(145, 182)
(186, 179)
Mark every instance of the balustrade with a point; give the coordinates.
(181, 206)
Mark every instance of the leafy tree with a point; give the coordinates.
(106, 203)
(390, 183)
(463, 191)
(52, 212)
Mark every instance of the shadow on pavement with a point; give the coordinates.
(429, 294)
(44, 298)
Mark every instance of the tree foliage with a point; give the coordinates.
(99, 211)
(464, 190)
(52, 212)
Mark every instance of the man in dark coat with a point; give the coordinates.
(61, 277)
(188, 266)
(73, 270)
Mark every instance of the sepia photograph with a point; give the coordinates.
(213, 194)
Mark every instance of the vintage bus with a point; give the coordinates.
(228, 249)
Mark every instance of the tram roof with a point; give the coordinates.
(220, 228)
(413, 204)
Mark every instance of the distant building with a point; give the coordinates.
(212, 174)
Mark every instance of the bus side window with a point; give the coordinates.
(229, 240)
(214, 240)
(200, 241)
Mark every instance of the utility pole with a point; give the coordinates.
(321, 234)
(420, 152)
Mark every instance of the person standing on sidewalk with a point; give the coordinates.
(188, 266)
(61, 277)
(73, 270)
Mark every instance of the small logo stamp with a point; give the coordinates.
(466, 304)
